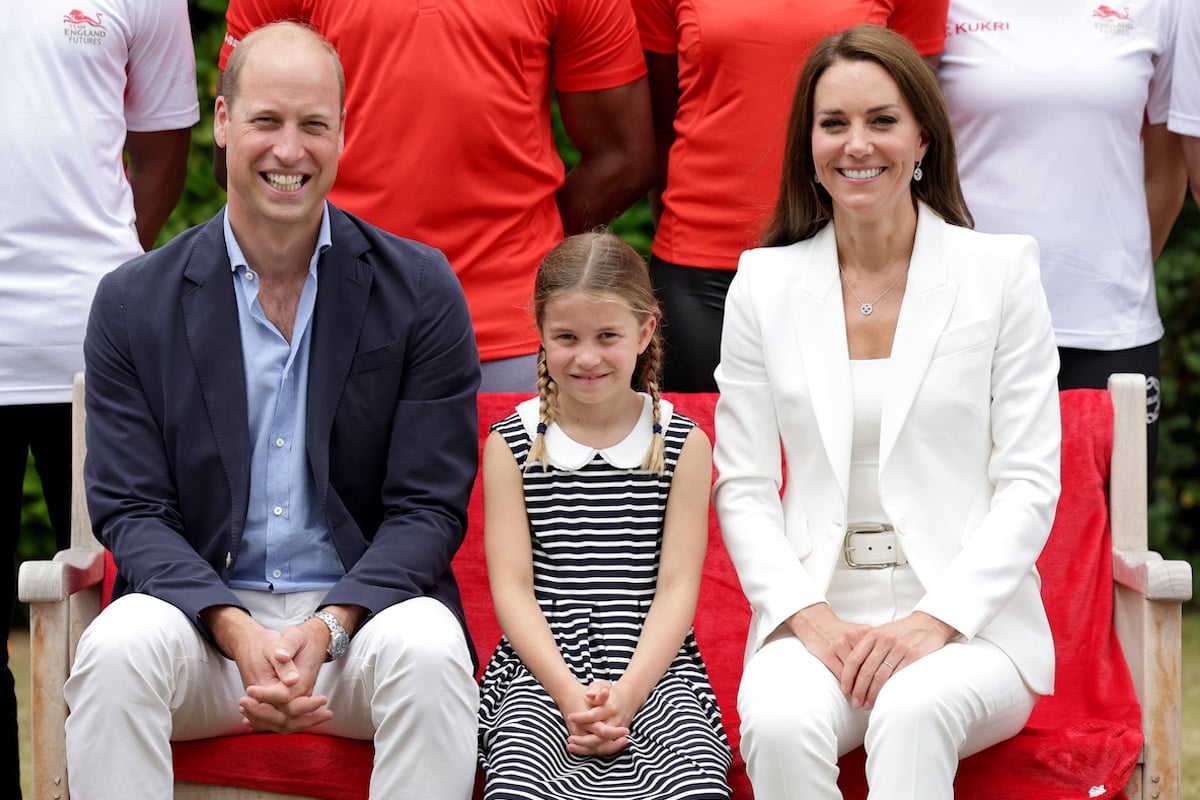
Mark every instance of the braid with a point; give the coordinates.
(547, 411)
(655, 460)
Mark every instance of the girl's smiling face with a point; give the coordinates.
(592, 344)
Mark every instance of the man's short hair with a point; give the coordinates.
(231, 81)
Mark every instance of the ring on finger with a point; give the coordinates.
(889, 665)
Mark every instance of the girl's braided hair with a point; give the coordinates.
(603, 266)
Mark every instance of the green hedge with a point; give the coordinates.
(1175, 512)
(1175, 515)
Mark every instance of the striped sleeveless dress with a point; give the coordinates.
(596, 530)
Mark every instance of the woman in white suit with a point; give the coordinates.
(904, 367)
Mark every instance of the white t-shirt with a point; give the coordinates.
(1048, 100)
(75, 82)
(1185, 87)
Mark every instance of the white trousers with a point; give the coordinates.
(949, 704)
(144, 676)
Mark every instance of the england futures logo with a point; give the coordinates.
(83, 28)
(1107, 19)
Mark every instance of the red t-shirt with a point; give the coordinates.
(448, 132)
(738, 65)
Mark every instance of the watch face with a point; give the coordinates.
(338, 645)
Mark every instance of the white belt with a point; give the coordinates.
(872, 547)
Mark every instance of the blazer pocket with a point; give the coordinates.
(377, 358)
(966, 337)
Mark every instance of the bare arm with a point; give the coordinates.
(510, 573)
(1191, 153)
(156, 165)
(663, 76)
(685, 542)
(1166, 181)
(611, 128)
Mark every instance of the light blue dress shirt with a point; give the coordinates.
(287, 546)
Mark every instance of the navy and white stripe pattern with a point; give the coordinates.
(597, 536)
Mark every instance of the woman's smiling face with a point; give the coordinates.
(866, 140)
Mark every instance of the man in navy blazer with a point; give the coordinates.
(282, 439)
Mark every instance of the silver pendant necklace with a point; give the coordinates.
(865, 308)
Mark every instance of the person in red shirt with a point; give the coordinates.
(722, 76)
(449, 136)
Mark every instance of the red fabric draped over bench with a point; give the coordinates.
(1082, 742)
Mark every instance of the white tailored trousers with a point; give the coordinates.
(144, 676)
(943, 707)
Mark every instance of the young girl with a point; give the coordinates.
(596, 520)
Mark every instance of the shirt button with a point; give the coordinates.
(275, 573)
(279, 442)
(249, 275)
(278, 510)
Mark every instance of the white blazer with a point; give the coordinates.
(969, 441)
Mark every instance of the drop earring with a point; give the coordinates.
(917, 173)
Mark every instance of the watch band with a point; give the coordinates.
(339, 640)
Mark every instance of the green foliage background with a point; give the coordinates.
(1175, 513)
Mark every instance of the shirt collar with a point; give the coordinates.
(563, 452)
(238, 259)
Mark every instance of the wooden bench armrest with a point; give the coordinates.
(71, 571)
(1148, 595)
(1145, 572)
(1147, 608)
(63, 597)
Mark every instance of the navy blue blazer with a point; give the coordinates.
(392, 435)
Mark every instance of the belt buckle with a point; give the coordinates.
(848, 546)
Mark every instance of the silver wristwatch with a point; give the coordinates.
(339, 640)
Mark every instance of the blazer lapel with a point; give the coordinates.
(928, 301)
(343, 289)
(820, 324)
(211, 321)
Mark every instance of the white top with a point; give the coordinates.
(868, 377)
(78, 80)
(563, 452)
(1185, 87)
(1048, 100)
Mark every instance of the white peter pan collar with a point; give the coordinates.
(566, 453)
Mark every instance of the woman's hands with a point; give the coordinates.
(826, 635)
(862, 657)
(885, 650)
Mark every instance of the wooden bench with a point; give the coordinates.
(65, 594)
